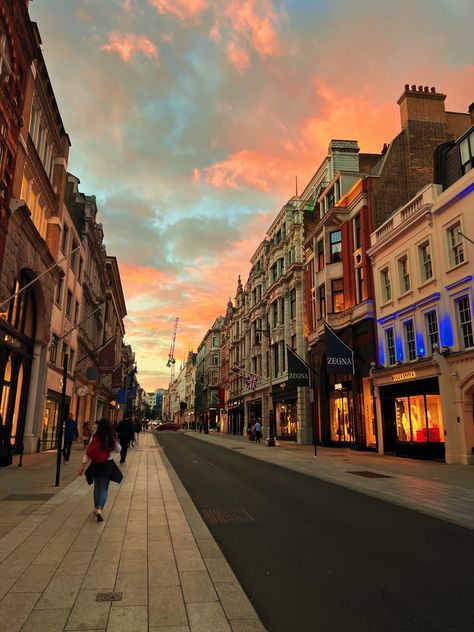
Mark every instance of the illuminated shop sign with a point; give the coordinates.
(407, 375)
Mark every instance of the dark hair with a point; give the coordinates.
(106, 434)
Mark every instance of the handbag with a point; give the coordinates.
(115, 475)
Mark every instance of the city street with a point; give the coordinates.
(312, 555)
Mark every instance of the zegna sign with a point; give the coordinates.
(339, 361)
(406, 375)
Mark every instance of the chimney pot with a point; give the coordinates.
(407, 86)
(413, 87)
(420, 88)
(433, 89)
(426, 89)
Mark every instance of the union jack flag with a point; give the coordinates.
(251, 382)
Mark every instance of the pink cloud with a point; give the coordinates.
(129, 44)
(257, 21)
(238, 57)
(181, 9)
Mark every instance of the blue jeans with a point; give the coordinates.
(101, 488)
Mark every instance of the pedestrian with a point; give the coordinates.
(257, 429)
(102, 469)
(70, 434)
(86, 433)
(137, 428)
(125, 434)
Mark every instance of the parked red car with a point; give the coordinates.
(169, 425)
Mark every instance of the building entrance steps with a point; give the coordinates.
(440, 490)
(151, 565)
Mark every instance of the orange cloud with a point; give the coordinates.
(129, 44)
(181, 9)
(257, 22)
(238, 57)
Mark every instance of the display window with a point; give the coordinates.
(287, 420)
(369, 415)
(341, 413)
(419, 419)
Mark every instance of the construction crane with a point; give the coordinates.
(171, 361)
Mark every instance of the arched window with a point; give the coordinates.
(22, 310)
(5, 59)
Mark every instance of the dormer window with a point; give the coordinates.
(5, 60)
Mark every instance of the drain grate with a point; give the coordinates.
(239, 448)
(367, 474)
(226, 515)
(110, 596)
(28, 497)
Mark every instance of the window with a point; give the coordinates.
(276, 360)
(215, 341)
(404, 274)
(390, 346)
(410, 343)
(356, 232)
(432, 333)
(465, 322)
(466, 148)
(69, 304)
(53, 350)
(79, 274)
(320, 255)
(424, 251)
(283, 355)
(281, 266)
(64, 238)
(293, 303)
(386, 287)
(281, 302)
(360, 284)
(71, 360)
(215, 359)
(455, 244)
(293, 342)
(322, 301)
(335, 240)
(337, 291)
(63, 353)
(274, 307)
(74, 256)
(273, 271)
(59, 292)
(76, 313)
(5, 67)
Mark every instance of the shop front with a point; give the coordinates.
(51, 416)
(285, 406)
(254, 413)
(412, 417)
(235, 417)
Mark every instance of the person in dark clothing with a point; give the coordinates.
(70, 434)
(138, 429)
(126, 433)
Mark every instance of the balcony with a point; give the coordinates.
(421, 203)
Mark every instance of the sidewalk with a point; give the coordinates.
(152, 565)
(437, 489)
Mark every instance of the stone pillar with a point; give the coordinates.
(35, 405)
(304, 432)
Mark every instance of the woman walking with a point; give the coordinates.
(102, 469)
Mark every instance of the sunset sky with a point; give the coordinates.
(189, 120)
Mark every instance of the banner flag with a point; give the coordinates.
(251, 382)
(339, 356)
(117, 378)
(298, 370)
(107, 357)
(121, 396)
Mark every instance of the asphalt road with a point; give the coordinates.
(315, 557)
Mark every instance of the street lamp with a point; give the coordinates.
(271, 413)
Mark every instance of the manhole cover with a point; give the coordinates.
(366, 474)
(226, 515)
(110, 596)
(28, 497)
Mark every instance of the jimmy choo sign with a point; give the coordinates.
(407, 375)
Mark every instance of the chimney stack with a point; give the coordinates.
(422, 104)
(471, 112)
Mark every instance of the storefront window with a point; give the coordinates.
(340, 416)
(287, 420)
(419, 419)
(369, 415)
(402, 416)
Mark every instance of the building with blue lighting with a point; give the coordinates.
(423, 258)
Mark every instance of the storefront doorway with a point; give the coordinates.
(341, 412)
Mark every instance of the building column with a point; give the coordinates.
(304, 431)
(36, 395)
(378, 416)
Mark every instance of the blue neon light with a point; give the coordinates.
(420, 344)
(399, 348)
(446, 331)
(381, 352)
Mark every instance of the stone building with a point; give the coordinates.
(18, 45)
(423, 260)
(66, 316)
(208, 361)
(32, 249)
(345, 201)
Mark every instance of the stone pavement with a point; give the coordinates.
(153, 553)
(434, 488)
